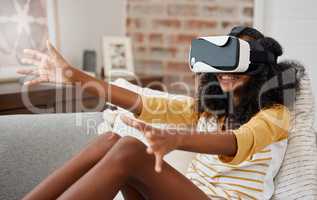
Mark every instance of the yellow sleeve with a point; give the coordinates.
(170, 111)
(268, 126)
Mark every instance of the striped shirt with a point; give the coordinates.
(261, 142)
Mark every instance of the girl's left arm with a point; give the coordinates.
(233, 147)
(220, 143)
(163, 141)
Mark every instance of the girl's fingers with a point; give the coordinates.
(133, 123)
(149, 135)
(52, 50)
(154, 134)
(45, 63)
(31, 61)
(36, 81)
(27, 72)
(149, 150)
(34, 54)
(158, 162)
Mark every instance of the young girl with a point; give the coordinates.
(241, 136)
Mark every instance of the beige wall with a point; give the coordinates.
(82, 23)
(294, 24)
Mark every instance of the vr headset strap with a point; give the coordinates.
(236, 31)
(259, 55)
(263, 57)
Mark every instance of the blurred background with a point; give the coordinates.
(160, 30)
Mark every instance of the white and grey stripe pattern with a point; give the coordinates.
(297, 178)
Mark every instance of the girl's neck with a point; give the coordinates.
(236, 99)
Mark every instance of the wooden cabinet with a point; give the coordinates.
(47, 98)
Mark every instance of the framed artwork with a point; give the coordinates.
(24, 24)
(18, 33)
(117, 57)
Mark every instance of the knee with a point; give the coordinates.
(128, 152)
(109, 137)
(105, 140)
(102, 144)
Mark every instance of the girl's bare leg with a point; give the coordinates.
(128, 163)
(59, 181)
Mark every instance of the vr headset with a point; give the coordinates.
(227, 54)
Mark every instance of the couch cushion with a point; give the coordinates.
(31, 146)
(297, 178)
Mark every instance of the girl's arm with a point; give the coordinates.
(163, 141)
(219, 143)
(116, 95)
(53, 68)
(233, 147)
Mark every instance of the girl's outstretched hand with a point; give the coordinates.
(161, 141)
(50, 67)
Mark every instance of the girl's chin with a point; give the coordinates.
(225, 89)
(230, 88)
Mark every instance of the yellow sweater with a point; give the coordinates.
(261, 142)
(266, 127)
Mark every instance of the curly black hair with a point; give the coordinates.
(269, 85)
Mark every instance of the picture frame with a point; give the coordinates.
(117, 56)
(32, 34)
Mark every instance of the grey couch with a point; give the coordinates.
(31, 146)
